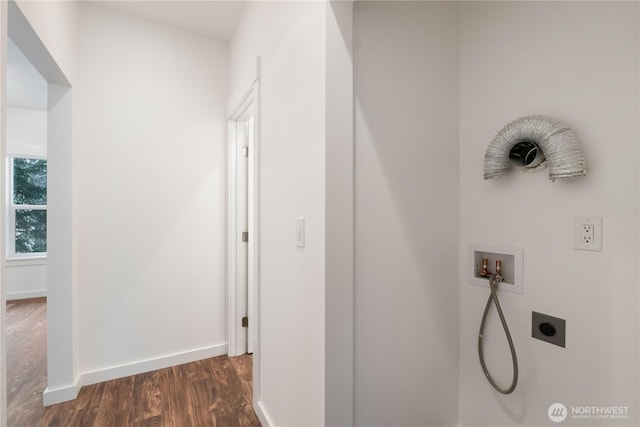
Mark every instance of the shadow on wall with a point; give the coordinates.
(406, 185)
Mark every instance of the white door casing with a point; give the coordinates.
(242, 219)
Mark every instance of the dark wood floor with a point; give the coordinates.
(211, 392)
(26, 359)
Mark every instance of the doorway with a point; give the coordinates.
(244, 217)
(243, 226)
(25, 226)
(60, 330)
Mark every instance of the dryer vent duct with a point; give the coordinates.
(562, 151)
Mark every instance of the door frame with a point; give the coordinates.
(247, 106)
(62, 373)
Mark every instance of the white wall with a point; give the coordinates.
(583, 68)
(26, 132)
(26, 279)
(406, 161)
(55, 23)
(339, 216)
(26, 88)
(149, 171)
(290, 38)
(62, 326)
(577, 62)
(259, 32)
(27, 136)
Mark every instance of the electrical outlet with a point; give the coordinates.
(548, 328)
(587, 234)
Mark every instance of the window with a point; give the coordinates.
(27, 234)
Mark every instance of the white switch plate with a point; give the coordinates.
(587, 233)
(300, 232)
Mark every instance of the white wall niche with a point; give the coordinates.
(512, 271)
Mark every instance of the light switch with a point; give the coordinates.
(300, 232)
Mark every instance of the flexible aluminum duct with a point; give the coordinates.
(558, 143)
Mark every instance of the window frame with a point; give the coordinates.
(11, 253)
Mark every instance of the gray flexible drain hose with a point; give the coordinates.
(493, 284)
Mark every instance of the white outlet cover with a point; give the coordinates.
(578, 229)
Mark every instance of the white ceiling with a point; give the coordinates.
(216, 19)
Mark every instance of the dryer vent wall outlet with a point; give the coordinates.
(548, 328)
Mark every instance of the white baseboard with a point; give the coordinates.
(142, 366)
(63, 394)
(262, 414)
(26, 294)
(59, 395)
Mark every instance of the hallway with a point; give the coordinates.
(210, 392)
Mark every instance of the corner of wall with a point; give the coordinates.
(339, 216)
(61, 394)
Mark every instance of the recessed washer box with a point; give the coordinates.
(512, 270)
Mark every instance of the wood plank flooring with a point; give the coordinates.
(26, 359)
(211, 392)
